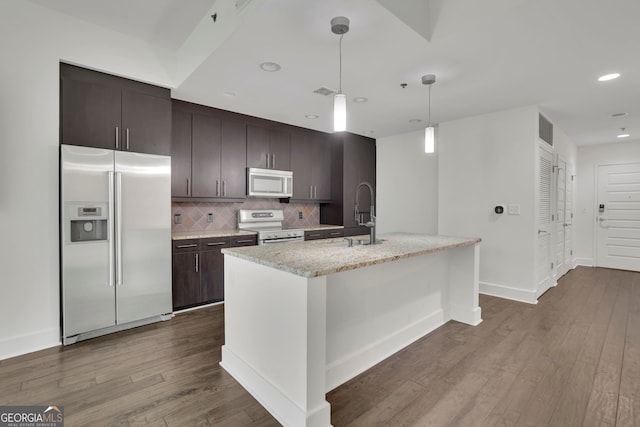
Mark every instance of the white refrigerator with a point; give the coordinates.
(115, 238)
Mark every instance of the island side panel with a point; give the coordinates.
(275, 345)
(375, 311)
(464, 272)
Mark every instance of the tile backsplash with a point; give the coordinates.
(194, 214)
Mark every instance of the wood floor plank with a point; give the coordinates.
(603, 399)
(628, 413)
(570, 407)
(572, 359)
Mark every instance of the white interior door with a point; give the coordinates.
(561, 199)
(618, 216)
(544, 264)
(564, 206)
(568, 223)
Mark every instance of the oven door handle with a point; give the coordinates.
(289, 239)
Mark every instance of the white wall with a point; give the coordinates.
(33, 40)
(485, 161)
(589, 157)
(406, 185)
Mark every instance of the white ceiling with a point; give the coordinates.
(488, 55)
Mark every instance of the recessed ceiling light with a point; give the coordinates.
(608, 77)
(229, 94)
(360, 99)
(623, 134)
(312, 116)
(270, 66)
(415, 121)
(614, 115)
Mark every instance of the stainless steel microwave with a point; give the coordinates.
(269, 183)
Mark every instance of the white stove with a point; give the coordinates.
(268, 224)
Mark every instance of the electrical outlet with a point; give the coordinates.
(177, 219)
(299, 214)
(209, 217)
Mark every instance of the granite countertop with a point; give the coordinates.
(203, 234)
(324, 257)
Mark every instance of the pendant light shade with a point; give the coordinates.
(339, 112)
(429, 140)
(429, 132)
(340, 26)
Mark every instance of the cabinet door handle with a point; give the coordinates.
(224, 188)
(188, 187)
(335, 233)
(215, 243)
(273, 161)
(117, 138)
(197, 261)
(268, 160)
(127, 139)
(245, 241)
(311, 191)
(217, 187)
(314, 235)
(187, 246)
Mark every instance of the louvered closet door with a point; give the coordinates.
(618, 222)
(544, 264)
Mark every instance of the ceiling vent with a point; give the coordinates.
(545, 129)
(324, 91)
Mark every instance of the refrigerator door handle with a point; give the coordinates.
(118, 228)
(110, 229)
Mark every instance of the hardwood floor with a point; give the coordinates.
(571, 360)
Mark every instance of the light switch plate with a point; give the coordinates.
(514, 209)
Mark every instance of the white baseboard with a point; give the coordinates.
(552, 284)
(464, 315)
(269, 396)
(23, 344)
(347, 367)
(507, 292)
(586, 262)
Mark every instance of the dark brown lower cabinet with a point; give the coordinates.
(198, 269)
(212, 269)
(331, 233)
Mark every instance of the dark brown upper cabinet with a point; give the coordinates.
(208, 154)
(105, 111)
(353, 160)
(268, 148)
(311, 165)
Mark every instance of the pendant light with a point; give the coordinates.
(429, 135)
(340, 26)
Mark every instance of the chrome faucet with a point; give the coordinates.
(372, 216)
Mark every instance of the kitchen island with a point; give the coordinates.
(303, 318)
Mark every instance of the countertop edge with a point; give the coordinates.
(353, 266)
(205, 234)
